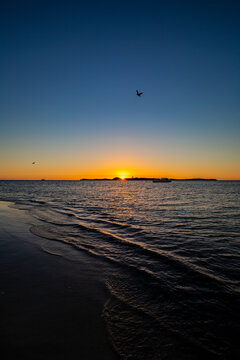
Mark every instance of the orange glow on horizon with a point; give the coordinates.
(50, 170)
(117, 157)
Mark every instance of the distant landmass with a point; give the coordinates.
(146, 179)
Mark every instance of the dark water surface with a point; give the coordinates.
(174, 249)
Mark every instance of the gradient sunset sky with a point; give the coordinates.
(69, 73)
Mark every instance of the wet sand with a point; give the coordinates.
(51, 307)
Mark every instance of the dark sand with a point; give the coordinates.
(51, 307)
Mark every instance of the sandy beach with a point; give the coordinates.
(51, 308)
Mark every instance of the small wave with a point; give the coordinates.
(155, 320)
(51, 252)
(112, 246)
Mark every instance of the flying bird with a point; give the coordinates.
(34, 162)
(138, 93)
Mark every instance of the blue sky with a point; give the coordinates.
(69, 72)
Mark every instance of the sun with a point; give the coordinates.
(123, 174)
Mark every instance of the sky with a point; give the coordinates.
(69, 72)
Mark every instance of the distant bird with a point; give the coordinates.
(138, 93)
(34, 162)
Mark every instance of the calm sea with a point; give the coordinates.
(174, 248)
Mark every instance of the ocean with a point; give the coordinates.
(172, 251)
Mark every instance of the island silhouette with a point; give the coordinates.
(145, 179)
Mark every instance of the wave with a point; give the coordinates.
(173, 257)
(113, 246)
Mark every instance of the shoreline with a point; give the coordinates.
(51, 307)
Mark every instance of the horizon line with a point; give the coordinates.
(116, 178)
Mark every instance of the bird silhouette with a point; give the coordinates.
(138, 93)
(34, 162)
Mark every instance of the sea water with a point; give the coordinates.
(174, 251)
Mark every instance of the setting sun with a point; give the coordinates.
(123, 174)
